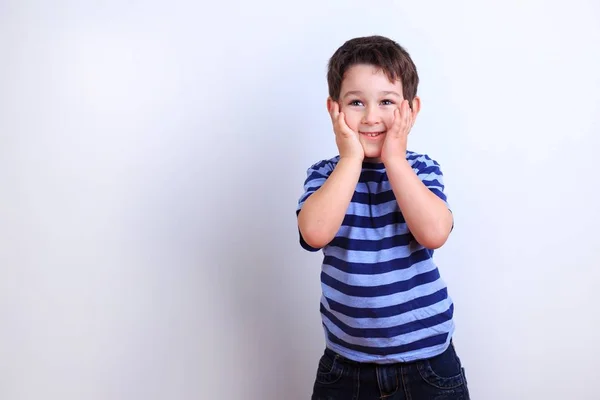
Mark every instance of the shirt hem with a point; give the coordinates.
(413, 356)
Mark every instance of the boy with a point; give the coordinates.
(378, 211)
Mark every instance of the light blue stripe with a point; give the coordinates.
(379, 279)
(383, 301)
(371, 257)
(385, 186)
(389, 342)
(388, 322)
(373, 233)
(367, 210)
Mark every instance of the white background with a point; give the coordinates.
(151, 158)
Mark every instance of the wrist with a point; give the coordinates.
(395, 162)
(351, 160)
(350, 167)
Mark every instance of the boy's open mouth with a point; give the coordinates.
(372, 134)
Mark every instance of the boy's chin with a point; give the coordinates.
(372, 154)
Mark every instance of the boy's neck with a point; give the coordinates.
(374, 160)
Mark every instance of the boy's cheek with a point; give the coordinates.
(352, 120)
(389, 120)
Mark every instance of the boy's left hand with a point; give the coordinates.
(394, 145)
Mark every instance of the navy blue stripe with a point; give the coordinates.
(378, 268)
(314, 175)
(425, 162)
(383, 351)
(381, 290)
(323, 164)
(411, 155)
(431, 169)
(373, 198)
(358, 221)
(372, 245)
(373, 165)
(393, 330)
(433, 182)
(391, 311)
(373, 176)
(438, 193)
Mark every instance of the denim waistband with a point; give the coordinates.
(339, 357)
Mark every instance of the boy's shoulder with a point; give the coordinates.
(421, 160)
(415, 159)
(326, 162)
(323, 167)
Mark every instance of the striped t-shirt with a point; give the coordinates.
(383, 299)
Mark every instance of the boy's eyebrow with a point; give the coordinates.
(358, 93)
(353, 93)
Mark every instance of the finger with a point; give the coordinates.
(343, 126)
(404, 114)
(411, 119)
(341, 120)
(333, 114)
(397, 124)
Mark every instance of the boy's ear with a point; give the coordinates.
(329, 104)
(416, 106)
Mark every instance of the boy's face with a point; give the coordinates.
(368, 99)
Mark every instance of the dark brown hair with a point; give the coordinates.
(378, 51)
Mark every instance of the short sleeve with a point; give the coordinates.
(430, 173)
(316, 175)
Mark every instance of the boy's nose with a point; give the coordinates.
(371, 116)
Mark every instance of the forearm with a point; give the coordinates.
(427, 216)
(323, 212)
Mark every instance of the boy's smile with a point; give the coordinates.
(373, 135)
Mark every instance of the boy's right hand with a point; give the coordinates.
(346, 139)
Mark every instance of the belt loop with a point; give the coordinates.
(387, 379)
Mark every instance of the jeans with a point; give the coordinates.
(441, 378)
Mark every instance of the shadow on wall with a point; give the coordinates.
(259, 282)
(263, 296)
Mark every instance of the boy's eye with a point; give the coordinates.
(385, 102)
